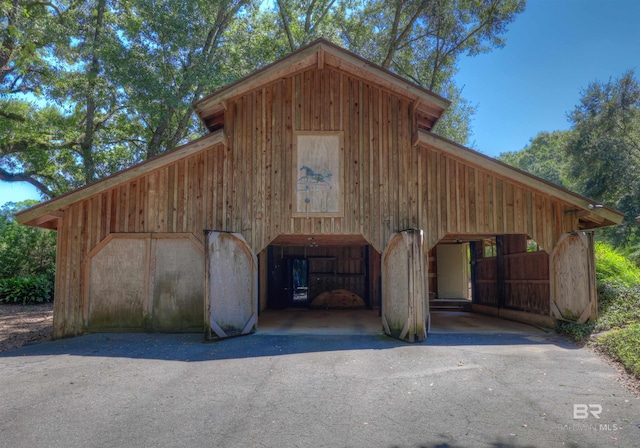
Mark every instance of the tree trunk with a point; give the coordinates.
(86, 146)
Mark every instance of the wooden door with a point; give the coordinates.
(405, 308)
(232, 286)
(572, 277)
(453, 271)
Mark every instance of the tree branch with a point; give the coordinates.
(49, 4)
(25, 177)
(12, 116)
(395, 40)
(286, 26)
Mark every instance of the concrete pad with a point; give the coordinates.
(368, 322)
(320, 322)
(463, 322)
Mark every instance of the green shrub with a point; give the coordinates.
(575, 331)
(618, 305)
(624, 345)
(26, 289)
(611, 266)
(618, 281)
(24, 250)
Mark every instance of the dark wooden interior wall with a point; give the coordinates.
(514, 279)
(330, 268)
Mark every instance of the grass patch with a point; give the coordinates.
(613, 267)
(624, 346)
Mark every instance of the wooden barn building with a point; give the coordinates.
(319, 177)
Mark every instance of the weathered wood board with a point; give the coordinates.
(232, 286)
(178, 285)
(146, 282)
(405, 308)
(118, 284)
(573, 294)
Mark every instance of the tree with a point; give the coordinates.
(545, 157)
(71, 141)
(127, 71)
(423, 40)
(24, 250)
(29, 29)
(604, 147)
(171, 56)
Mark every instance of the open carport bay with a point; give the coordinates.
(513, 387)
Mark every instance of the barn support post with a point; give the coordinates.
(231, 297)
(500, 274)
(572, 278)
(405, 306)
(476, 249)
(593, 287)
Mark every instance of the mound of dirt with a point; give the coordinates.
(338, 298)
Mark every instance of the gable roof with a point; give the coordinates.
(321, 53)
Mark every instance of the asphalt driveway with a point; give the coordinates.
(475, 389)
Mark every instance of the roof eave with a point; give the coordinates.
(596, 214)
(46, 214)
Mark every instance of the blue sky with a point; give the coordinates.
(553, 51)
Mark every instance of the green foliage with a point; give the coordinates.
(624, 345)
(618, 306)
(618, 282)
(575, 331)
(604, 148)
(544, 157)
(613, 267)
(28, 31)
(24, 251)
(112, 82)
(26, 289)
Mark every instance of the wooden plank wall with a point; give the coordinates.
(486, 282)
(527, 282)
(389, 185)
(178, 198)
(526, 278)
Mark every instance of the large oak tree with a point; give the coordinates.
(111, 81)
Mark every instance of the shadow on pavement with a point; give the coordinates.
(496, 444)
(191, 347)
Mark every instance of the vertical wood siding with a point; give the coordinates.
(246, 187)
